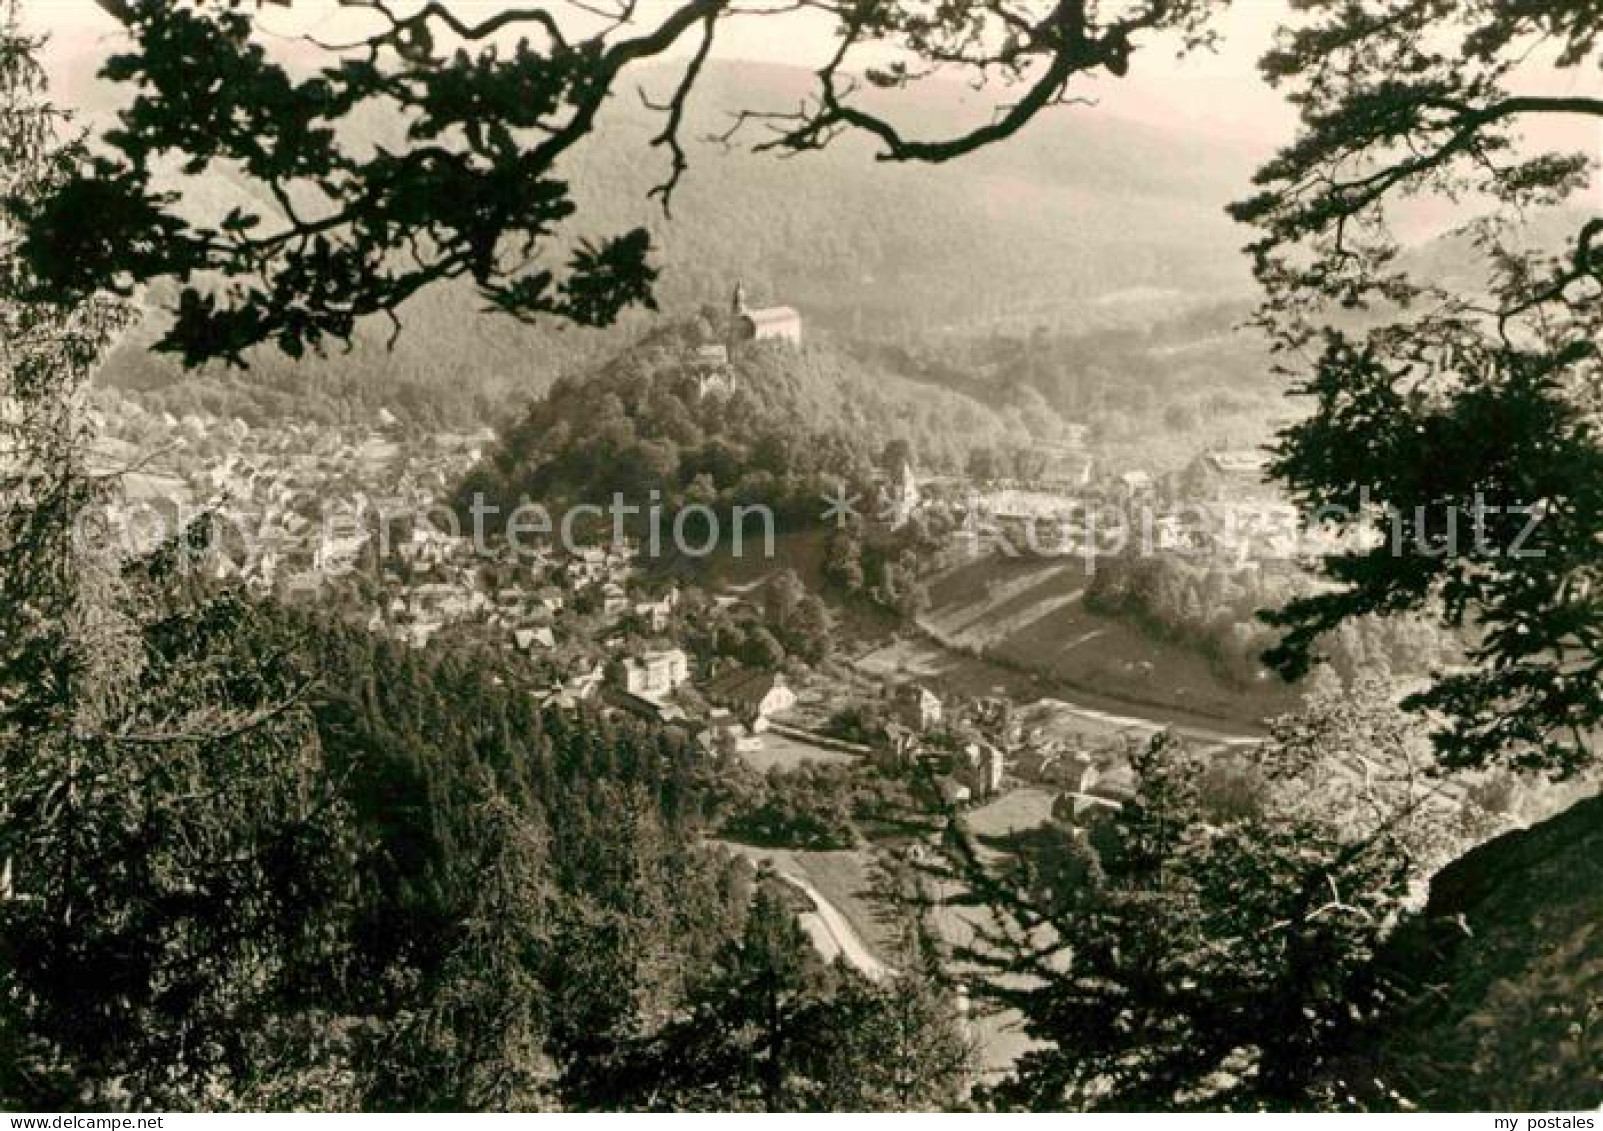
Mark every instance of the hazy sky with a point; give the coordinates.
(1212, 94)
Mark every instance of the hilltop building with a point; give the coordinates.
(769, 324)
(710, 372)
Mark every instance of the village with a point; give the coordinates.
(300, 508)
(866, 734)
(352, 518)
(801, 557)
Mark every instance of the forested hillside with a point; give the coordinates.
(464, 903)
(1155, 378)
(1089, 221)
(776, 421)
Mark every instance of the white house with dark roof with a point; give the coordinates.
(919, 708)
(752, 694)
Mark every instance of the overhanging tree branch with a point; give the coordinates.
(472, 191)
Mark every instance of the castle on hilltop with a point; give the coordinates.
(770, 324)
(710, 371)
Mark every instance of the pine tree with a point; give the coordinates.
(478, 1042)
(1212, 960)
(172, 855)
(900, 1044)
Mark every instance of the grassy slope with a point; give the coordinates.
(1029, 613)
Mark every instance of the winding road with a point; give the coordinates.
(843, 939)
(832, 933)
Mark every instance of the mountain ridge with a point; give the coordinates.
(1082, 206)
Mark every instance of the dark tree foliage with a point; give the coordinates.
(1190, 952)
(772, 1028)
(543, 924)
(1455, 419)
(181, 878)
(477, 1041)
(808, 806)
(486, 111)
(535, 893)
(173, 857)
(740, 1045)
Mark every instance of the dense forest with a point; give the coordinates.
(451, 901)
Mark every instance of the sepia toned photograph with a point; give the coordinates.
(801, 556)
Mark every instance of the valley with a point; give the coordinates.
(799, 557)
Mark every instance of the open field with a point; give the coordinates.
(984, 602)
(1014, 811)
(955, 671)
(786, 753)
(1029, 614)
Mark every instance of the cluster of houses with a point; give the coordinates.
(975, 750)
(293, 507)
(432, 580)
(965, 750)
(311, 512)
(729, 711)
(302, 509)
(1218, 508)
(308, 510)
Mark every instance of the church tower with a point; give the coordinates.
(906, 497)
(736, 331)
(772, 323)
